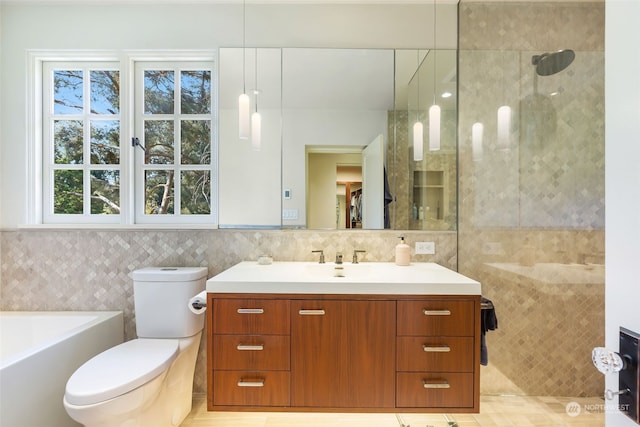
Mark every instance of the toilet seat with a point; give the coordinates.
(120, 369)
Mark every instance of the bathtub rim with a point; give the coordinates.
(99, 316)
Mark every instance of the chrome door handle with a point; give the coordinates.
(251, 383)
(244, 347)
(436, 312)
(250, 310)
(443, 384)
(436, 349)
(311, 312)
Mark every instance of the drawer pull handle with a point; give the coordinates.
(250, 383)
(436, 312)
(443, 384)
(438, 349)
(250, 310)
(311, 312)
(246, 347)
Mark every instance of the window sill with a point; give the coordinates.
(115, 227)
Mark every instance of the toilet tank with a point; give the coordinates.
(161, 296)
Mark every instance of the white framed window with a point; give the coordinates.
(81, 133)
(124, 138)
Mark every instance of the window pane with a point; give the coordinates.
(195, 192)
(67, 141)
(105, 142)
(158, 192)
(196, 92)
(105, 192)
(67, 191)
(195, 137)
(158, 139)
(105, 92)
(67, 92)
(158, 92)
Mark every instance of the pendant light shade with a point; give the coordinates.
(434, 128)
(504, 127)
(477, 133)
(243, 116)
(256, 134)
(418, 141)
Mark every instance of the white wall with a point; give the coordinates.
(187, 26)
(622, 103)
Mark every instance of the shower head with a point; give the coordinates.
(552, 63)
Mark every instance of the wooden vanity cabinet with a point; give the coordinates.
(437, 358)
(343, 353)
(249, 354)
(370, 353)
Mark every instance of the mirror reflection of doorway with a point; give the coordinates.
(345, 186)
(328, 172)
(348, 196)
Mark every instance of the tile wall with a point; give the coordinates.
(89, 270)
(539, 203)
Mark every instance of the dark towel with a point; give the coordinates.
(488, 322)
(388, 198)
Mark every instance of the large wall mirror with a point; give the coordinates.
(337, 148)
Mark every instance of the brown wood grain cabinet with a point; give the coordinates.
(358, 353)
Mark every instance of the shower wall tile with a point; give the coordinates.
(90, 270)
(531, 26)
(541, 200)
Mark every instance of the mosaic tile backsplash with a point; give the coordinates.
(89, 270)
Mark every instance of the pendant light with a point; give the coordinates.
(418, 130)
(418, 141)
(504, 111)
(504, 127)
(434, 111)
(243, 99)
(256, 119)
(477, 133)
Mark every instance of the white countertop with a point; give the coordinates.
(365, 278)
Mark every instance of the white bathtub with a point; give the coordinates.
(39, 351)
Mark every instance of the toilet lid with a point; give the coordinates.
(120, 369)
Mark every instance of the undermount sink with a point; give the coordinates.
(290, 277)
(360, 270)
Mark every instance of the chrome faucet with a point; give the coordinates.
(321, 252)
(355, 255)
(338, 257)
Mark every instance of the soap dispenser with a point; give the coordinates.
(403, 253)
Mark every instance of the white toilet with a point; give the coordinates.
(148, 381)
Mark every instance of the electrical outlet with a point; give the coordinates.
(425, 248)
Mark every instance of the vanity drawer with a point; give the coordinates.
(434, 390)
(251, 388)
(436, 318)
(255, 352)
(251, 316)
(437, 354)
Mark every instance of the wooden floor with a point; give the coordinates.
(495, 411)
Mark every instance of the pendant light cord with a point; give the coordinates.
(418, 72)
(434, 52)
